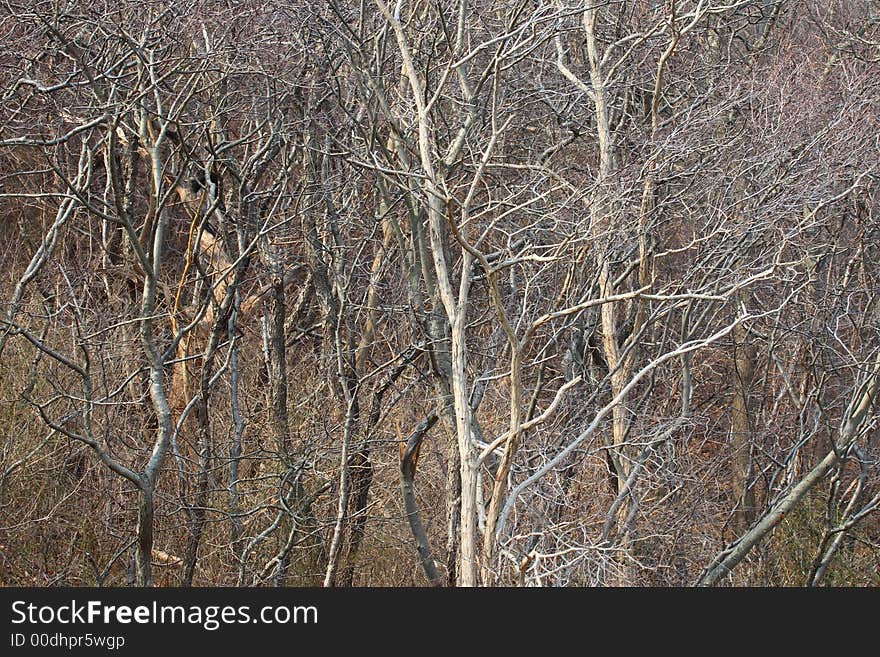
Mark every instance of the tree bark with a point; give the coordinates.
(409, 457)
(741, 430)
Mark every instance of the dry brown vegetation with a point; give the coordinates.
(610, 270)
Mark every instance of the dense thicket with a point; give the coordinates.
(439, 292)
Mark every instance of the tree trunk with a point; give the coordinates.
(144, 550)
(741, 430)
